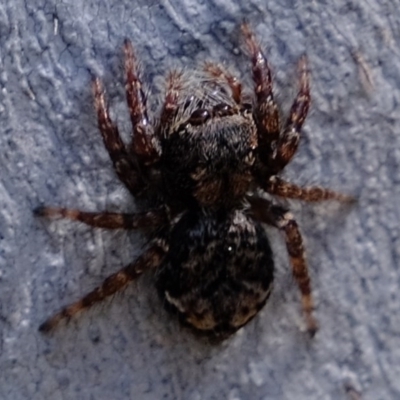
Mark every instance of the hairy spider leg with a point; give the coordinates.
(121, 159)
(266, 112)
(279, 187)
(282, 219)
(151, 259)
(107, 220)
(288, 141)
(145, 145)
(174, 86)
(217, 71)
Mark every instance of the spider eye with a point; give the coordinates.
(222, 110)
(246, 107)
(188, 102)
(199, 116)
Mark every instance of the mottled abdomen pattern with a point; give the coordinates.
(218, 272)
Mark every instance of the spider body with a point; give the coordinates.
(211, 160)
(218, 272)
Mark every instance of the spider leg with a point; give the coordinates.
(145, 145)
(282, 219)
(282, 188)
(107, 220)
(289, 139)
(151, 259)
(266, 112)
(216, 71)
(168, 112)
(122, 161)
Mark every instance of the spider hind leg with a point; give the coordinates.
(116, 282)
(277, 216)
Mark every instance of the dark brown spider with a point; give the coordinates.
(205, 168)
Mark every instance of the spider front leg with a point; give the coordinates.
(216, 71)
(145, 145)
(263, 210)
(168, 113)
(151, 259)
(266, 111)
(288, 141)
(107, 220)
(122, 161)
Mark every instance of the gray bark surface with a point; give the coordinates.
(51, 153)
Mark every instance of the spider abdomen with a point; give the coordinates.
(218, 272)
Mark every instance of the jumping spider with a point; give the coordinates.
(204, 169)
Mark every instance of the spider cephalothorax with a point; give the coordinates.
(208, 165)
